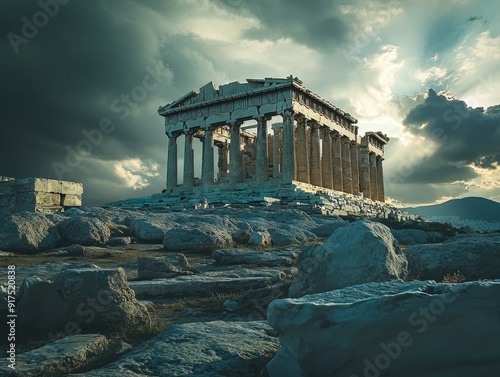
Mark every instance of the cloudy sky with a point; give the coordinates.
(82, 80)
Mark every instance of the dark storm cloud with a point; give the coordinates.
(463, 134)
(70, 74)
(317, 24)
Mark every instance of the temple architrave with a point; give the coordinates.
(314, 142)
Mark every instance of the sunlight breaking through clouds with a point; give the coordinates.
(135, 173)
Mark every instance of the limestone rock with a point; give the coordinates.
(258, 258)
(326, 225)
(27, 231)
(361, 252)
(161, 267)
(260, 238)
(203, 349)
(474, 256)
(410, 236)
(290, 235)
(66, 355)
(88, 299)
(119, 241)
(84, 230)
(150, 230)
(200, 285)
(411, 329)
(203, 239)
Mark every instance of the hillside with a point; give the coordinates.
(472, 208)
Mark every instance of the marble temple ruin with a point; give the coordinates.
(269, 141)
(316, 142)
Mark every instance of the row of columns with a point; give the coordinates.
(339, 164)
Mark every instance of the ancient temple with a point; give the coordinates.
(313, 141)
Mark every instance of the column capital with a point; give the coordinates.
(172, 135)
(263, 118)
(288, 113)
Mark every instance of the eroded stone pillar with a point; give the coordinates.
(288, 146)
(337, 163)
(315, 158)
(373, 176)
(172, 162)
(207, 168)
(276, 151)
(188, 174)
(380, 179)
(355, 168)
(261, 158)
(364, 164)
(326, 159)
(346, 165)
(235, 163)
(223, 162)
(303, 174)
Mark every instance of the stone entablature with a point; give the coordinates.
(38, 195)
(316, 142)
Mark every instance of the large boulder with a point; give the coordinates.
(84, 230)
(474, 256)
(150, 230)
(161, 267)
(204, 238)
(411, 329)
(81, 300)
(27, 231)
(361, 252)
(202, 349)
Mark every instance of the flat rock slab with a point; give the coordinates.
(66, 355)
(411, 329)
(206, 349)
(475, 256)
(259, 258)
(201, 285)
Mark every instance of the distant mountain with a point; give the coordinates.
(472, 208)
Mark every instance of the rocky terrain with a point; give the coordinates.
(248, 292)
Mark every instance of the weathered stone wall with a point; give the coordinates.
(307, 197)
(38, 195)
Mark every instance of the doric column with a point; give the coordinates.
(288, 146)
(364, 164)
(373, 176)
(172, 162)
(346, 165)
(380, 179)
(223, 162)
(207, 168)
(303, 174)
(337, 163)
(235, 164)
(276, 150)
(326, 159)
(315, 158)
(188, 178)
(355, 168)
(261, 158)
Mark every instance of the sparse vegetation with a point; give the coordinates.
(454, 278)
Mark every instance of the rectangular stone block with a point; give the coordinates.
(40, 184)
(48, 199)
(71, 200)
(54, 186)
(71, 188)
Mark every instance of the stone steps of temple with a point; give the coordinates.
(309, 198)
